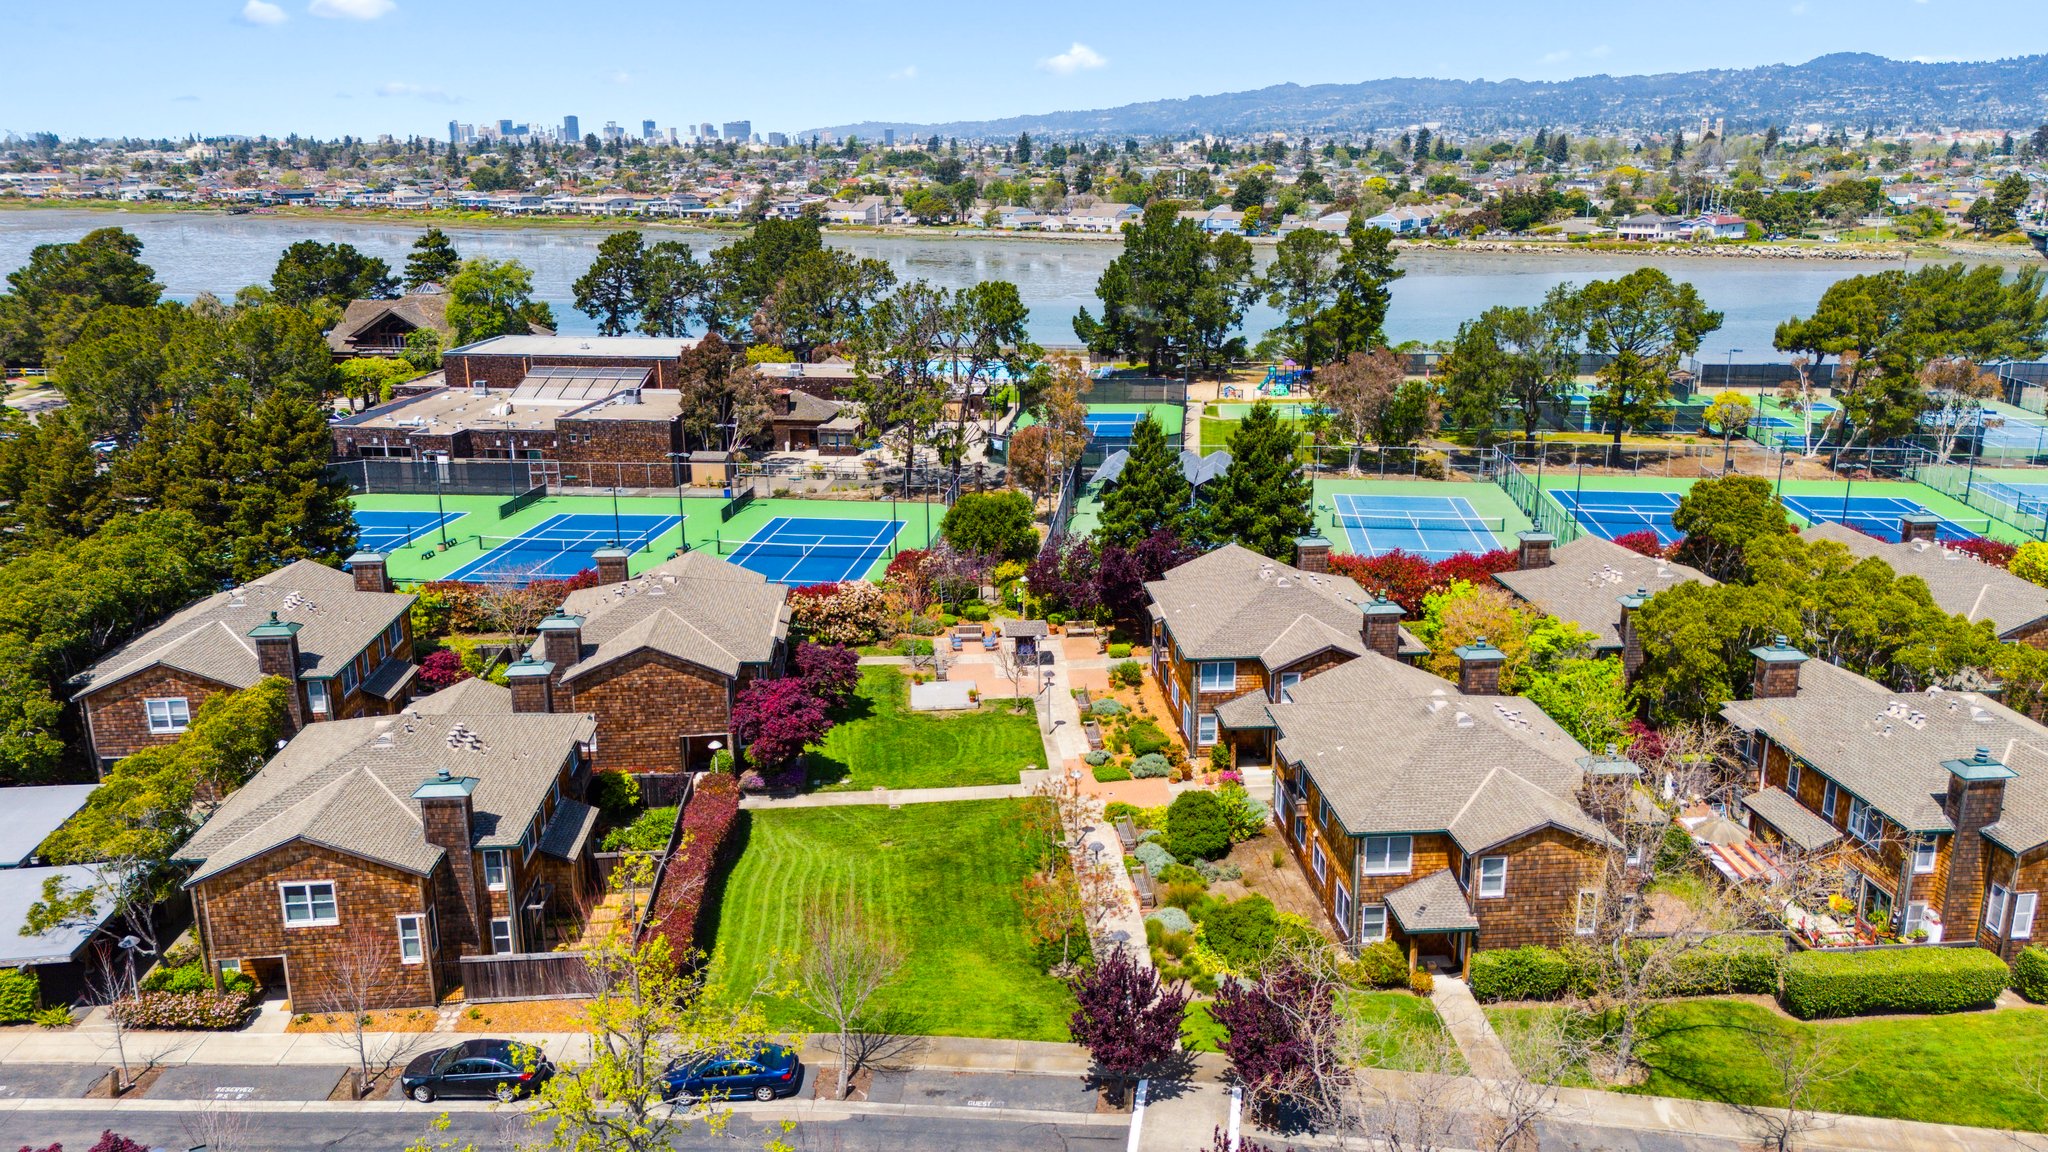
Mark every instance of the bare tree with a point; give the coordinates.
(1016, 671)
(219, 1127)
(361, 980)
(1956, 391)
(1543, 1054)
(1801, 1063)
(845, 962)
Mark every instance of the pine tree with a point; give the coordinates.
(1262, 500)
(66, 497)
(433, 260)
(286, 505)
(1150, 494)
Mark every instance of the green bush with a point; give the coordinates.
(18, 995)
(975, 612)
(1731, 964)
(1379, 965)
(1117, 810)
(1110, 773)
(616, 794)
(721, 761)
(1180, 874)
(1106, 707)
(1119, 651)
(1154, 856)
(1531, 973)
(1197, 827)
(1151, 765)
(182, 979)
(1242, 931)
(1095, 759)
(1825, 984)
(1130, 673)
(648, 833)
(1146, 738)
(1168, 920)
(2030, 973)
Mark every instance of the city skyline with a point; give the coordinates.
(373, 67)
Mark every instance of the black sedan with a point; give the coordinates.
(483, 1069)
(764, 1073)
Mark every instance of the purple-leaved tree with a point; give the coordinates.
(776, 719)
(1126, 1019)
(831, 670)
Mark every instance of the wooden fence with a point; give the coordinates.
(525, 976)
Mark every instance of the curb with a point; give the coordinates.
(814, 1112)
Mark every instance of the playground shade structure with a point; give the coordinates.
(561, 546)
(1433, 527)
(1612, 515)
(388, 531)
(802, 550)
(1877, 515)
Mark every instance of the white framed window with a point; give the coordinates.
(1323, 811)
(494, 869)
(1493, 876)
(1389, 855)
(1320, 862)
(1218, 675)
(1792, 777)
(1916, 917)
(528, 842)
(395, 635)
(1205, 730)
(1300, 828)
(2023, 915)
(1187, 716)
(309, 904)
(317, 697)
(1279, 793)
(1586, 916)
(1994, 908)
(1830, 796)
(1923, 855)
(501, 936)
(1342, 903)
(348, 679)
(412, 946)
(1372, 923)
(168, 713)
(1287, 682)
(1863, 821)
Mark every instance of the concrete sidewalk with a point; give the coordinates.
(1466, 1022)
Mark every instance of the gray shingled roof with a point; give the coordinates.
(1434, 903)
(1307, 636)
(210, 637)
(1887, 747)
(1233, 604)
(1799, 824)
(348, 784)
(568, 829)
(805, 407)
(419, 309)
(696, 607)
(1587, 579)
(472, 695)
(1961, 584)
(1394, 749)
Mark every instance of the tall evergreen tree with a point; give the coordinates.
(1150, 494)
(337, 273)
(1355, 320)
(1262, 500)
(287, 506)
(433, 261)
(50, 298)
(614, 288)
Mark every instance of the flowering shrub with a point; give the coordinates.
(441, 668)
(1406, 578)
(1645, 542)
(854, 612)
(708, 822)
(832, 671)
(205, 1011)
(1996, 553)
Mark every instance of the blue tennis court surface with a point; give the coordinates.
(1616, 514)
(1871, 515)
(561, 546)
(1433, 527)
(388, 531)
(2026, 499)
(1112, 425)
(803, 550)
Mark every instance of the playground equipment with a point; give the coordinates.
(1282, 379)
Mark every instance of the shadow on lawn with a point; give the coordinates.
(823, 771)
(712, 907)
(1664, 1053)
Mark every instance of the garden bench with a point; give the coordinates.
(1094, 733)
(1126, 834)
(1148, 896)
(1080, 628)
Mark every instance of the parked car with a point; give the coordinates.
(763, 1073)
(486, 1069)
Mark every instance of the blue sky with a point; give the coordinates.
(107, 67)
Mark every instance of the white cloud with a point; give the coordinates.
(1598, 52)
(258, 12)
(620, 76)
(351, 9)
(1076, 59)
(417, 92)
(907, 72)
(1557, 57)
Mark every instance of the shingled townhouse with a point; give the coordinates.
(1935, 802)
(1961, 585)
(1595, 584)
(382, 850)
(1440, 816)
(658, 658)
(1232, 623)
(343, 638)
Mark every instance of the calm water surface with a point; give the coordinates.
(194, 253)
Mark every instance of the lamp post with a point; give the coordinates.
(682, 517)
(1728, 375)
(618, 536)
(1024, 597)
(440, 510)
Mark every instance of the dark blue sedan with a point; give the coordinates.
(764, 1073)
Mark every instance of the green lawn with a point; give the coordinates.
(1409, 1013)
(940, 879)
(880, 743)
(1970, 1068)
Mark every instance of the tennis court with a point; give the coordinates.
(1876, 515)
(801, 550)
(561, 546)
(1433, 527)
(1613, 514)
(1112, 425)
(2025, 499)
(385, 531)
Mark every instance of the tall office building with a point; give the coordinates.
(504, 127)
(740, 130)
(572, 132)
(706, 132)
(778, 140)
(647, 129)
(888, 137)
(454, 132)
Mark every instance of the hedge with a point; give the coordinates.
(193, 977)
(18, 995)
(1823, 984)
(1729, 964)
(1531, 973)
(183, 1011)
(708, 822)
(1381, 964)
(2030, 973)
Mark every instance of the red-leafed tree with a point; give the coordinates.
(1406, 578)
(831, 670)
(776, 719)
(1645, 542)
(1126, 1019)
(1996, 553)
(1278, 1034)
(441, 668)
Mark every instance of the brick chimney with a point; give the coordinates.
(370, 572)
(1976, 798)
(1533, 549)
(1631, 644)
(1777, 670)
(532, 684)
(1312, 554)
(1918, 526)
(611, 565)
(459, 889)
(561, 645)
(1383, 627)
(277, 654)
(1479, 668)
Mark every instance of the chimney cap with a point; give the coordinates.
(560, 621)
(611, 553)
(1479, 649)
(445, 785)
(275, 629)
(1381, 606)
(366, 556)
(1635, 599)
(1779, 651)
(1979, 767)
(1311, 540)
(526, 666)
(1535, 536)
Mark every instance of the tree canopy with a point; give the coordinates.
(310, 271)
(1262, 500)
(1644, 324)
(50, 298)
(1174, 297)
(1150, 493)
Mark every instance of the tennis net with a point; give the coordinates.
(552, 543)
(1423, 522)
(869, 550)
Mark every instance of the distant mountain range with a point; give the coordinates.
(1849, 89)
